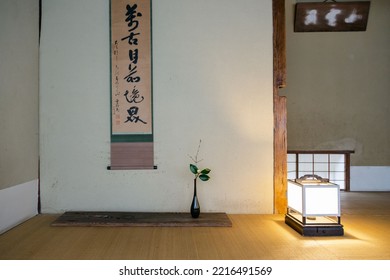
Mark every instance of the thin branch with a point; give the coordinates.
(195, 160)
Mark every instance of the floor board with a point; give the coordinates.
(365, 217)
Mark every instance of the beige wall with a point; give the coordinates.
(338, 88)
(19, 27)
(212, 80)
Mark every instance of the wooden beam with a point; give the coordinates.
(280, 107)
(279, 43)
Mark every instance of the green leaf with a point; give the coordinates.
(194, 169)
(204, 177)
(205, 171)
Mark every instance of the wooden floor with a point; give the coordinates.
(365, 216)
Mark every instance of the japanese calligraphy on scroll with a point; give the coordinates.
(131, 74)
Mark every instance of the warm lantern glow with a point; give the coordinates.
(314, 207)
(322, 200)
(294, 196)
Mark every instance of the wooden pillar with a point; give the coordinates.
(280, 107)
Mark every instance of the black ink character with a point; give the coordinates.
(133, 56)
(135, 97)
(117, 105)
(129, 78)
(132, 117)
(131, 38)
(131, 15)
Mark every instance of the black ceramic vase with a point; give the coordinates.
(195, 208)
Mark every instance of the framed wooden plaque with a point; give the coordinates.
(331, 16)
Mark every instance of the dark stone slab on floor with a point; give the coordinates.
(141, 219)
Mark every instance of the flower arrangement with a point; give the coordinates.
(202, 174)
(199, 173)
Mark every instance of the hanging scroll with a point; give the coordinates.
(131, 85)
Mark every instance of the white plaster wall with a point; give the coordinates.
(370, 178)
(338, 88)
(212, 73)
(19, 42)
(19, 30)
